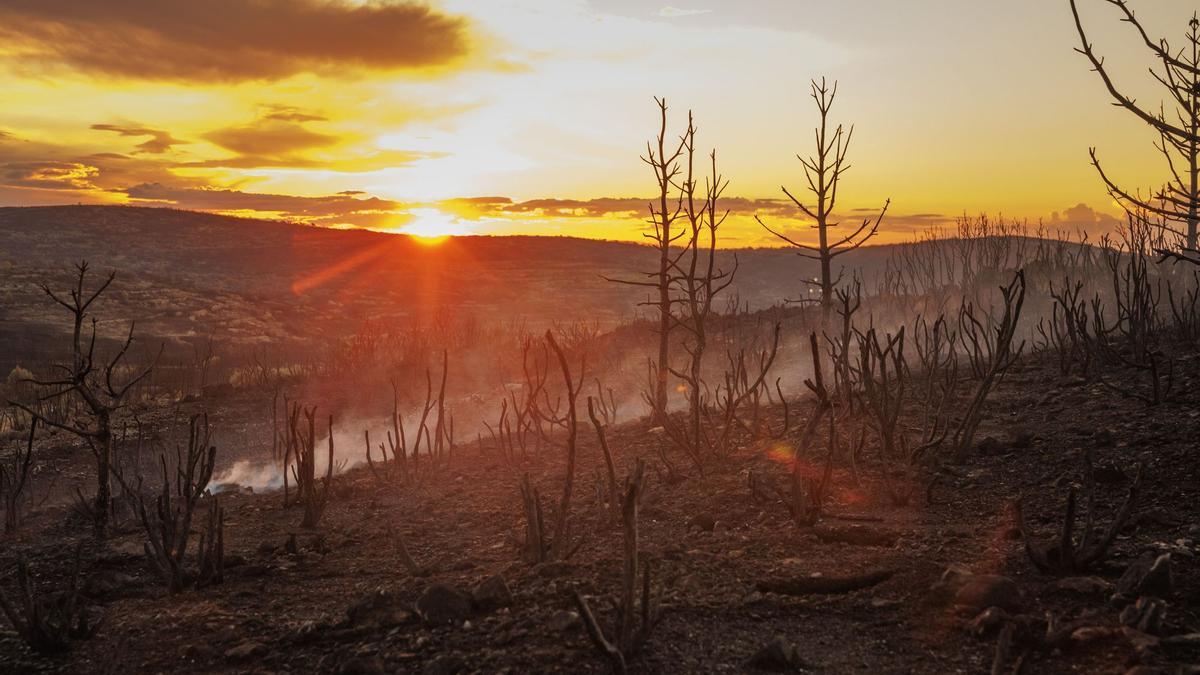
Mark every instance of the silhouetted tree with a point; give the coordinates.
(665, 210)
(97, 385)
(824, 171)
(1178, 201)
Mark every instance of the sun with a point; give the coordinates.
(433, 226)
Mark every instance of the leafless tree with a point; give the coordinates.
(664, 157)
(97, 385)
(823, 172)
(699, 282)
(14, 476)
(1178, 201)
(168, 520)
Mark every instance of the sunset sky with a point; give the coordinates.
(528, 116)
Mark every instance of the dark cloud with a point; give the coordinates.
(212, 199)
(48, 175)
(1085, 218)
(269, 138)
(228, 40)
(160, 141)
(616, 206)
(292, 114)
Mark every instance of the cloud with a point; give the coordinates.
(214, 199)
(269, 138)
(1083, 217)
(614, 206)
(673, 12)
(160, 141)
(228, 40)
(288, 113)
(48, 175)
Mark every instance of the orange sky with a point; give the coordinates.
(502, 116)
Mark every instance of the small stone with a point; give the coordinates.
(1147, 576)
(703, 522)
(1108, 474)
(1092, 633)
(989, 446)
(359, 665)
(1080, 586)
(562, 620)
(1190, 640)
(245, 650)
(492, 593)
(1139, 640)
(1145, 615)
(442, 604)
(1020, 439)
(989, 621)
(778, 656)
(989, 590)
(445, 664)
(380, 609)
(107, 582)
(557, 568)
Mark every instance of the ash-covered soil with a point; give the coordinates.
(342, 600)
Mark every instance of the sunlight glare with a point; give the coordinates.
(432, 226)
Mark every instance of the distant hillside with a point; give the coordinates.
(185, 275)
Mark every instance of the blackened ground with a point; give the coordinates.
(711, 545)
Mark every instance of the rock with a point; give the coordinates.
(107, 582)
(1147, 576)
(1139, 640)
(247, 649)
(855, 535)
(1145, 615)
(989, 621)
(1020, 439)
(1107, 473)
(953, 578)
(703, 522)
(554, 569)
(562, 620)
(1092, 633)
(1080, 586)
(380, 609)
(492, 593)
(778, 656)
(989, 446)
(446, 664)
(989, 590)
(1187, 640)
(362, 665)
(442, 604)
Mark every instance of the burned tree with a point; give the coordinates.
(634, 621)
(665, 210)
(541, 545)
(699, 281)
(96, 384)
(823, 172)
(1178, 201)
(48, 621)
(14, 476)
(168, 522)
(302, 446)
